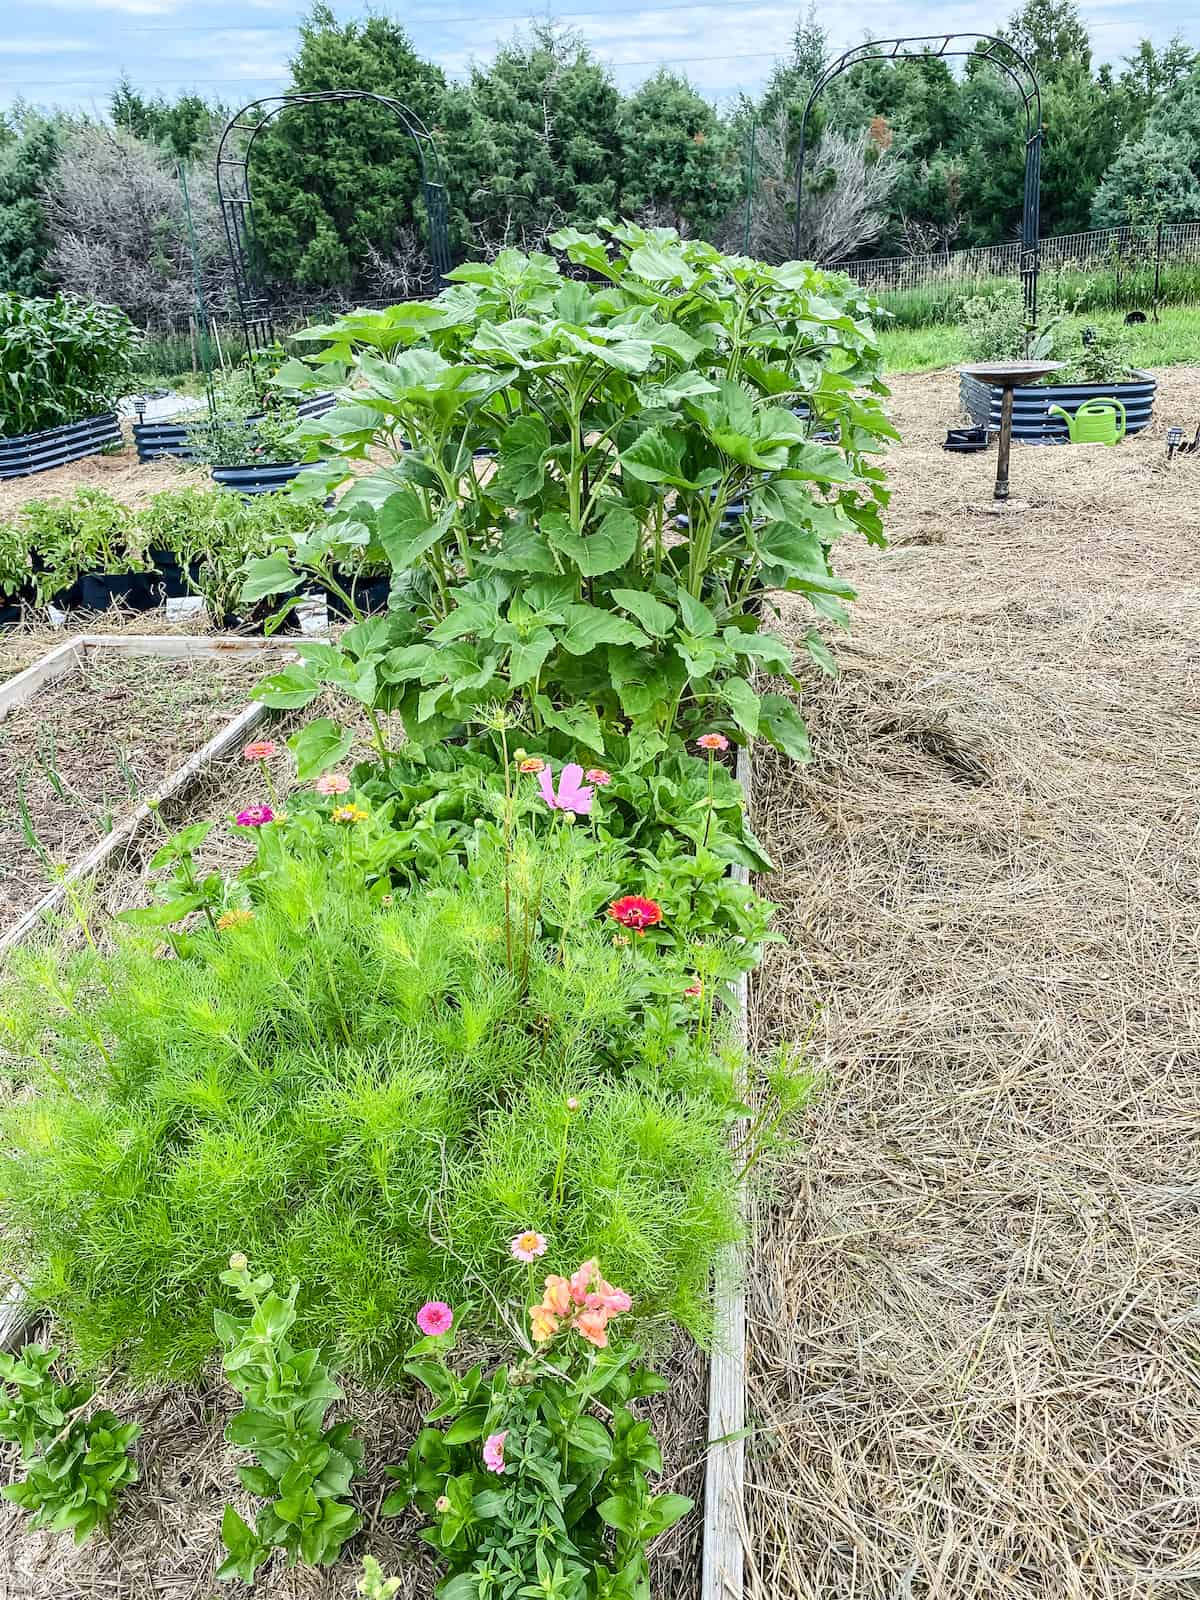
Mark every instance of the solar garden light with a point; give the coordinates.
(1174, 440)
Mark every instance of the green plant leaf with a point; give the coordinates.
(590, 627)
(319, 745)
(603, 550)
(653, 615)
(782, 724)
(742, 702)
(268, 575)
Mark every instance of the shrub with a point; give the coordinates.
(657, 477)
(61, 360)
(361, 1096)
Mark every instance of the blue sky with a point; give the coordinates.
(70, 52)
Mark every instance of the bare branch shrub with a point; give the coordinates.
(119, 231)
(404, 272)
(849, 179)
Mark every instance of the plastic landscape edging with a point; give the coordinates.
(723, 1558)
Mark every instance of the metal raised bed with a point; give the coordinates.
(170, 437)
(23, 454)
(1031, 422)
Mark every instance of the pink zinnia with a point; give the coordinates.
(694, 990)
(597, 775)
(332, 783)
(435, 1317)
(493, 1451)
(713, 741)
(254, 817)
(528, 1246)
(260, 750)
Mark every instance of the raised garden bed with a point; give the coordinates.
(89, 731)
(1032, 423)
(170, 437)
(24, 454)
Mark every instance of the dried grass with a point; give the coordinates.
(973, 1301)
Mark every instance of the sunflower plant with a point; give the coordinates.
(591, 487)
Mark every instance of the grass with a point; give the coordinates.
(1173, 341)
(940, 300)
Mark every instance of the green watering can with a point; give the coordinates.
(1099, 421)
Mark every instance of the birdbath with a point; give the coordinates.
(1007, 376)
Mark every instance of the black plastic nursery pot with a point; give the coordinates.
(1032, 423)
(23, 454)
(172, 573)
(15, 606)
(369, 595)
(132, 591)
(169, 436)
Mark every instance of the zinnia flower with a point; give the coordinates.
(254, 817)
(332, 783)
(238, 1262)
(633, 911)
(694, 990)
(557, 1298)
(237, 918)
(572, 1102)
(531, 764)
(442, 1504)
(713, 741)
(593, 1325)
(493, 1451)
(597, 775)
(543, 1324)
(434, 1318)
(528, 1246)
(347, 814)
(260, 750)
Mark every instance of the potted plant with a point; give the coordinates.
(64, 363)
(1097, 364)
(87, 552)
(16, 588)
(247, 441)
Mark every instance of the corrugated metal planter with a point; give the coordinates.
(258, 477)
(1031, 404)
(170, 437)
(26, 453)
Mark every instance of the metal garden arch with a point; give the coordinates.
(237, 201)
(1015, 67)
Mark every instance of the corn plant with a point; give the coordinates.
(61, 360)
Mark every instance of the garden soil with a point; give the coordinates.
(973, 1297)
(91, 744)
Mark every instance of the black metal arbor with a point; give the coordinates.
(237, 201)
(1015, 67)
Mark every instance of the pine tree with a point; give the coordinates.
(678, 167)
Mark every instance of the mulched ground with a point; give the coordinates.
(973, 1300)
(89, 745)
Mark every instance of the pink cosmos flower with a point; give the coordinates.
(435, 1317)
(493, 1451)
(260, 750)
(598, 776)
(572, 794)
(572, 1102)
(332, 783)
(713, 741)
(528, 1246)
(254, 817)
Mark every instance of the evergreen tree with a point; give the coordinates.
(540, 143)
(28, 151)
(333, 182)
(678, 163)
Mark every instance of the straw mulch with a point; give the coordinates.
(975, 1294)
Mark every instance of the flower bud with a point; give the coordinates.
(238, 1262)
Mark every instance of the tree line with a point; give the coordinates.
(909, 157)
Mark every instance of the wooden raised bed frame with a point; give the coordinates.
(723, 1558)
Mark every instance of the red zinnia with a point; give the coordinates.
(632, 911)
